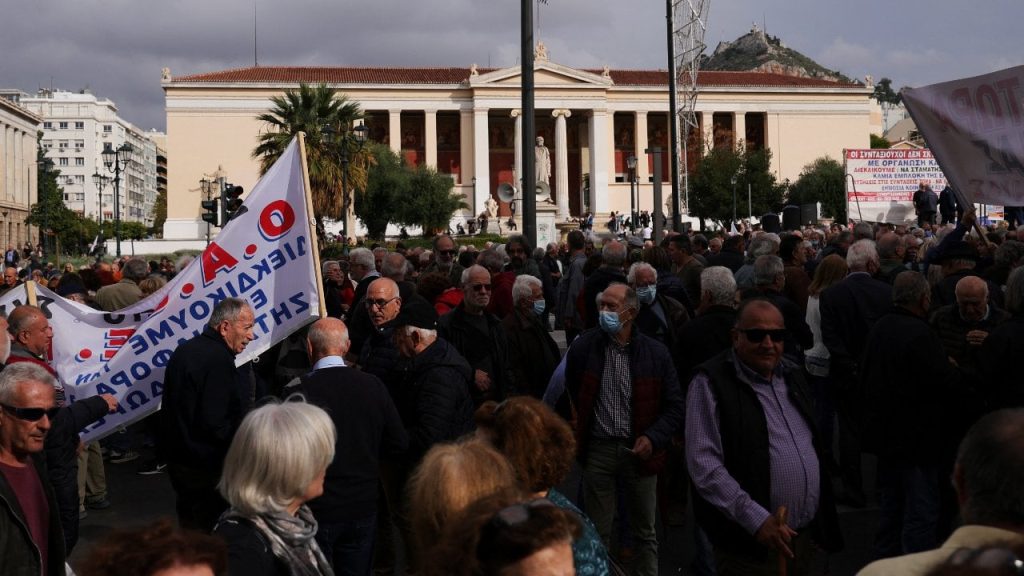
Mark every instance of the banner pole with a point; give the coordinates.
(314, 241)
(30, 293)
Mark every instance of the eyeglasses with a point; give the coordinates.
(756, 335)
(516, 514)
(31, 414)
(480, 287)
(447, 252)
(380, 304)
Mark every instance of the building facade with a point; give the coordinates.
(77, 127)
(18, 172)
(466, 122)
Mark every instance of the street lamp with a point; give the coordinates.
(631, 164)
(207, 186)
(47, 165)
(101, 182)
(116, 160)
(735, 177)
(358, 136)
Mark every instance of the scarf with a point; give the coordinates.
(291, 540)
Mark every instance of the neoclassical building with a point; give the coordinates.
(466, 122)
(18, 171)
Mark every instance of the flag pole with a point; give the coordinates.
(314, 242)
(30, 293)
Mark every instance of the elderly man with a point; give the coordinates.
(989, 483)
(769, 281)
(909, 387)
(519, 257)
(570, 286)
(613, 262)
(378, 355)
(752, 449)
(794, 256)
(10, 278)
(500, 303)
(891, 252)
(532, 353)
(126, 292)
(964, 326)
(765, 243)
(629, 405)
(849, 309)
(31, 335)
(338, 290)
(710, 333)
(445, 252)
(731, 254)
(205, 397)
(363, 270)
(368, 427)
(32, 541)
(478, 336)
(685, 264)
(661, 317)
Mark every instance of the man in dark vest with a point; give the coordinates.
(752, 449)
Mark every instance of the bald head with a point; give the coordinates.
(327, 337)
(972, 298)
(382, 288)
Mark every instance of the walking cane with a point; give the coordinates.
(780, 517)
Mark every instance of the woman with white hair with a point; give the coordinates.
(276, 463)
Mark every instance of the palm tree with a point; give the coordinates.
(310, 109)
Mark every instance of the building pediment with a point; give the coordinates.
(545, 74)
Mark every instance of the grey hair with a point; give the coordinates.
(18, 373)
(363, 257)
(426, 334)
(328, 264)
(763, 244)
(276, 454)
(227, 309)
(909, 287)
(860, 254)
(395, 266)
(767, 269)
(135, 269)
(1009, 253)
(991, 465)
(523, 287)
(466, 272)
(636, 267)
(613, 254)
(1014, 291)
(183, 262)
(863, 231)
(323, 339)
(491, 260)
(630, 299)
(720, 282)
(888, 244)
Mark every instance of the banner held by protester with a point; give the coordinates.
(265, 255)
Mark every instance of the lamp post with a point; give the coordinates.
(347, 137)
(735, 178)
(207, 186)
(116, 160)
(631, 165)
(101, 182)
(47, 165)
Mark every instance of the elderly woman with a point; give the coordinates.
(541, 447)
(276, 463)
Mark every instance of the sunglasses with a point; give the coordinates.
(31, 414)
(380, 304)
(480, 287)
(516, 514)
(756, 335)
(447, 252)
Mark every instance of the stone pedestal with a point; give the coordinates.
(564, 228)
(547, 215)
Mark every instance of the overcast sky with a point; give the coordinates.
(117, 48)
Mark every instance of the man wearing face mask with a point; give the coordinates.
(661, 317)
(532, 353)
(629, 405)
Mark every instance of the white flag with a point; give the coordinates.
(264, 255)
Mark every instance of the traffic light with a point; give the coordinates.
(230, 202)
(210, 214)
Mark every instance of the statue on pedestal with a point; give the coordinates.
(542, 161)
(492, 207)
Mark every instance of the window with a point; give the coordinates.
(63, 125)
(63, 144)
(47, 144)
(107, 128)
(62, 161)
(47, 125)
(79, 178)
(79, 161)
(79, 125)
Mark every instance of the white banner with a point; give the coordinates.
(975, 127)
(884, 182)
(263, 255)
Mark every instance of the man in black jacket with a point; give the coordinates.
(532, 353)
(613, 260)
(710, 333)
(204, 400)
(368, 429)
(908, 385)
(31, 540)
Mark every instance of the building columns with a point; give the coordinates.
(600, 144)
(395, 130)
(481, 161)
(561, 187)
(708, 129)
(430, 137)
(739, 128)
(642, 167)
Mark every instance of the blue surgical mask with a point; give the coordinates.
(647, 294)
(538, 307)
(609, 322)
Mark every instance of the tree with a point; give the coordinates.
(159, 213)
(378, 203)
(49, 213)
(309, 109)
(430, 201)
(712, 197)
(822, 181)
(879, 142)
(884, 94)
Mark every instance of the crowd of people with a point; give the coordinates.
(432, 424)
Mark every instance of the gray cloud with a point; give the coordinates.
(117, 48)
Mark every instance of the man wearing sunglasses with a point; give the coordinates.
(752, 448)
(31, 538)
(445, 252)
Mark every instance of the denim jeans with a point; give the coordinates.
(348, 545)
(909, 502)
